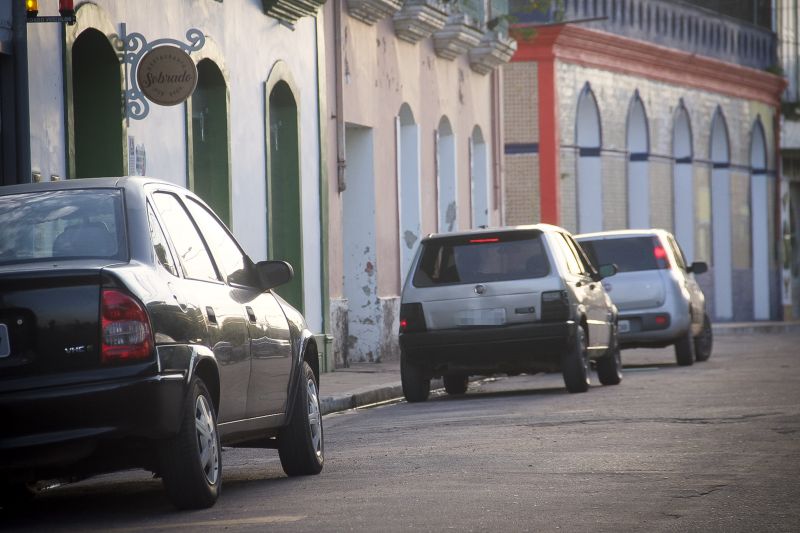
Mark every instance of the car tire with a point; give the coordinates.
(684, 348)
(575, 364)
(455, 383)
(301, 444)
(609, 367)
(704, 342)
(416, 385)
(191, 461)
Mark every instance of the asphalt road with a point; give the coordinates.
(712, 447)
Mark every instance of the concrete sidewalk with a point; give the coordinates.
(365, 384)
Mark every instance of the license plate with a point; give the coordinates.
(481, 317)
(5, 344)
(624, 326)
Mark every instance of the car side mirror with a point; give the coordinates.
(605, 271)
(273, 273)
(698, 267)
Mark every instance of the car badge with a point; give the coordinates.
(480, 289)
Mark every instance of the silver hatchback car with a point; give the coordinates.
(658, 299)
(507, 300)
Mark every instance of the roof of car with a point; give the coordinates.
(485, 231)
(80, 183)
(622, 233)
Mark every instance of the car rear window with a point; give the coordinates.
(485, 257)
(630, 254)
(68, 224)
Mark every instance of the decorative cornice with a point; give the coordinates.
(456, 37)
(592, 48)
(291, 10)
(493, 50)
(419, 19)
(371, 11)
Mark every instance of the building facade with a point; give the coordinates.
(650, 113)
(247, 140)
(413, 148)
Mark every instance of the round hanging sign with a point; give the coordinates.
(167, 75)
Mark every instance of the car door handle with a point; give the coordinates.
(212, 316)
(251, 315)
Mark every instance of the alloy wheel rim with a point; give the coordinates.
(314, 418)
(207, 444)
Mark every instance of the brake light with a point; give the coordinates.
(125, 330)
(555, 305)
(661, 257)
(479, 241)
(412, 318)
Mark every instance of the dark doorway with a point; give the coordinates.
(283, 197)
(97, 107)
(210, 166)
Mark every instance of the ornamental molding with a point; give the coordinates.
(493, 50)
(291, 10)
(371, 11)
(456, 37)
(418, 19)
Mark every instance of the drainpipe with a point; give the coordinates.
(497, 149)
(341, 161)
(22, 118)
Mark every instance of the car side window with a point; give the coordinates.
(584, 262)
(677, 252)
(160, 247)
(223, 247)
(189, 246)
(573, 263)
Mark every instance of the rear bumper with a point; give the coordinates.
(646, 331)
(493, 349)
(52, 426)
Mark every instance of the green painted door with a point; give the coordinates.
(284, 214)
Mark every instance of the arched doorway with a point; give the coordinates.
(446, 176)
(210, 168)
(683, 184)
(479, 170)
(721, 217)
(408, 186)
(588, 137)
(638, 143)
(759, 202)
(284, 217)
(96, 107)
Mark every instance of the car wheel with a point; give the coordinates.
(191, 461)
(704, 342)
(455, 383)
(416, 385)
(609, 367)
(301, 445)
(575, 364)
(684, 348)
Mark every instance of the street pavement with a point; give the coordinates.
(368, 384)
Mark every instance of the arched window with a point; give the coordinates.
(479, 178)
(408, 183)
(759, 201)
(683, 182)
(638, 145)
(721, 217)
(446, 176)
(588, 137)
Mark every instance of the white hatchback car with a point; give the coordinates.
(658, 299)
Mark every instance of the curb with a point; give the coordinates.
(366, 396)
(723, 328)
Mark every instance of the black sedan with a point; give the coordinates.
(134, 332)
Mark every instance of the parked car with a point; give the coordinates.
(508, 300)
(134, 332)
(659, 300)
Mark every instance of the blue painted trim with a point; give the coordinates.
(642, 156)
(684, 160)
(521, 148)
(589, 151)
(721, 165)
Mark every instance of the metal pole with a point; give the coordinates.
(22, 118)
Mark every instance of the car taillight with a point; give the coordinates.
(412, 318)
(125, 330)
(660, 253)
(555, 305)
